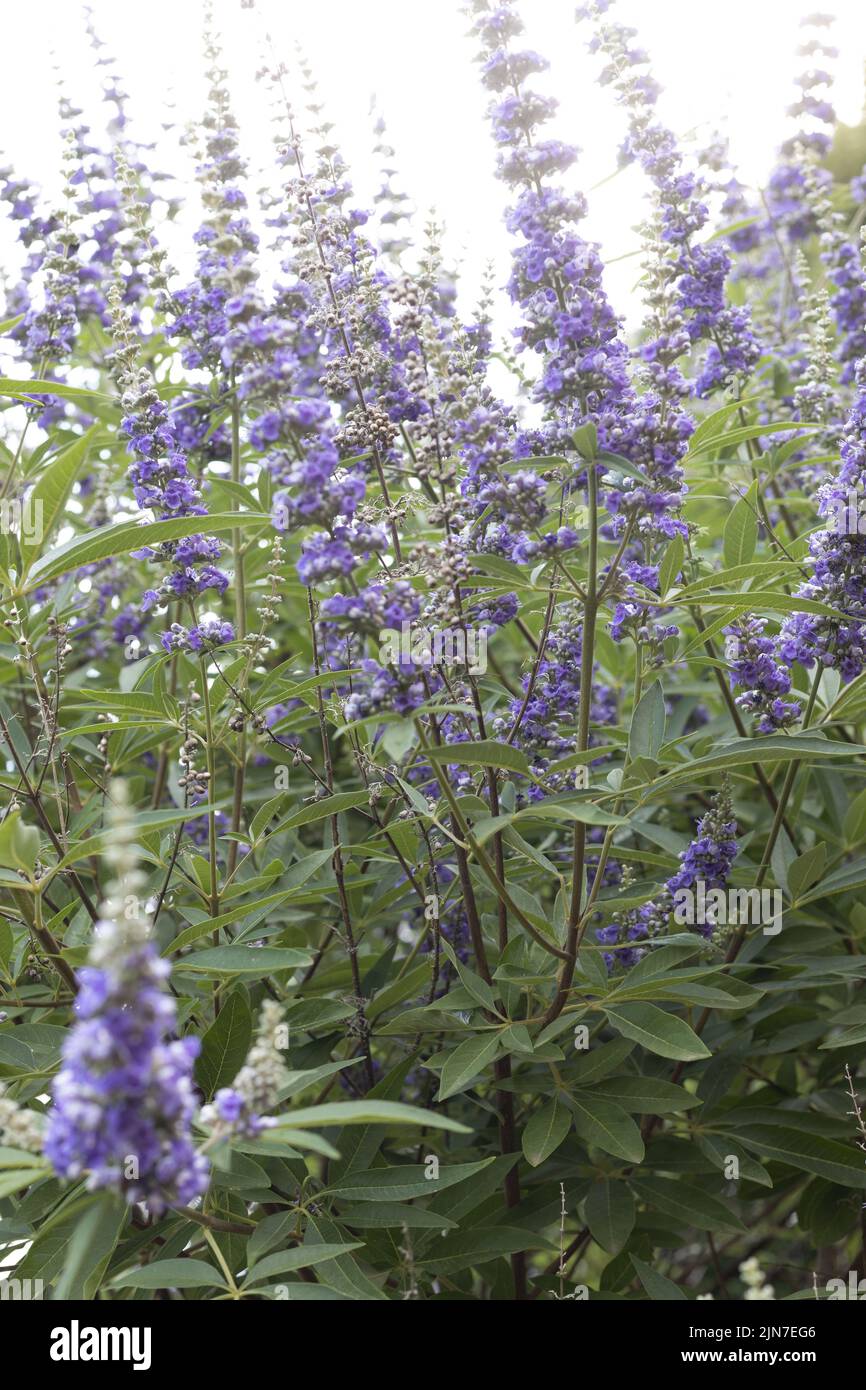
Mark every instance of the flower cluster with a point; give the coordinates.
(755, 670)
(20, 1128)
(701, 267)
(241, 1108)
(709, 857)
(162, 482)
(706, 863)
(556, 279)
(123, 1100)
(837, 556)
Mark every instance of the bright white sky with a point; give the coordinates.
(726, 67)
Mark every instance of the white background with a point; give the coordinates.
(723, 66)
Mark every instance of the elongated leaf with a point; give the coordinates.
(172, 1274)
(741, 530)
(659, 1288)
(224, 1045)
(246, 960)
(742, 752)
(686, 1203)
(606, 1126)
(658, 1031)
(128, 536)
(813, 1153)
(370, 1112)
(545, 1132)
(404, 1181)
(489, 753)
(301, 1257)
(49, 496)
(465, 1063)
(648, 724)
(610, 1214)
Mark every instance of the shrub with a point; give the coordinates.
(432, 849)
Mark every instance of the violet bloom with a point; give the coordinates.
(702, 267)
(837, 556)
(123, 1100)
(756, 671)
(706, 862)
(161, 482)
(709, 858)
(556, 279)
(549, 717)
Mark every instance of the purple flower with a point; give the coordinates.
(123, 1100)
(755, 669)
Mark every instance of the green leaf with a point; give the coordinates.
(301, 1257)
(376, 1215)
(713, 425)
(850, 876)
(671, 565)
(90, 1248)
(805, 869)
(854, 825)
(342, 1273)
(27, 390)
(49, 496)
(172, 1274)
(741, 530)
(773, 748)
(465, 1062)
(478, 988)
(479, 1245)
(224, 1045)
(610, 1214)
(648, 724)
(607, 1126)
(127, 536)
(484, 753)
(813, 1153)
(368, 1112)
(245, 960)
(144, 822)
(402, 1182)
(721, 1148)
(327, 806)
(659, 1288)
(686, 1203)
(741, 435)
(646, 1095)
(13, 1179)
(658, 1031)
(586, 440)
(19, 843)
(545, 1131)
